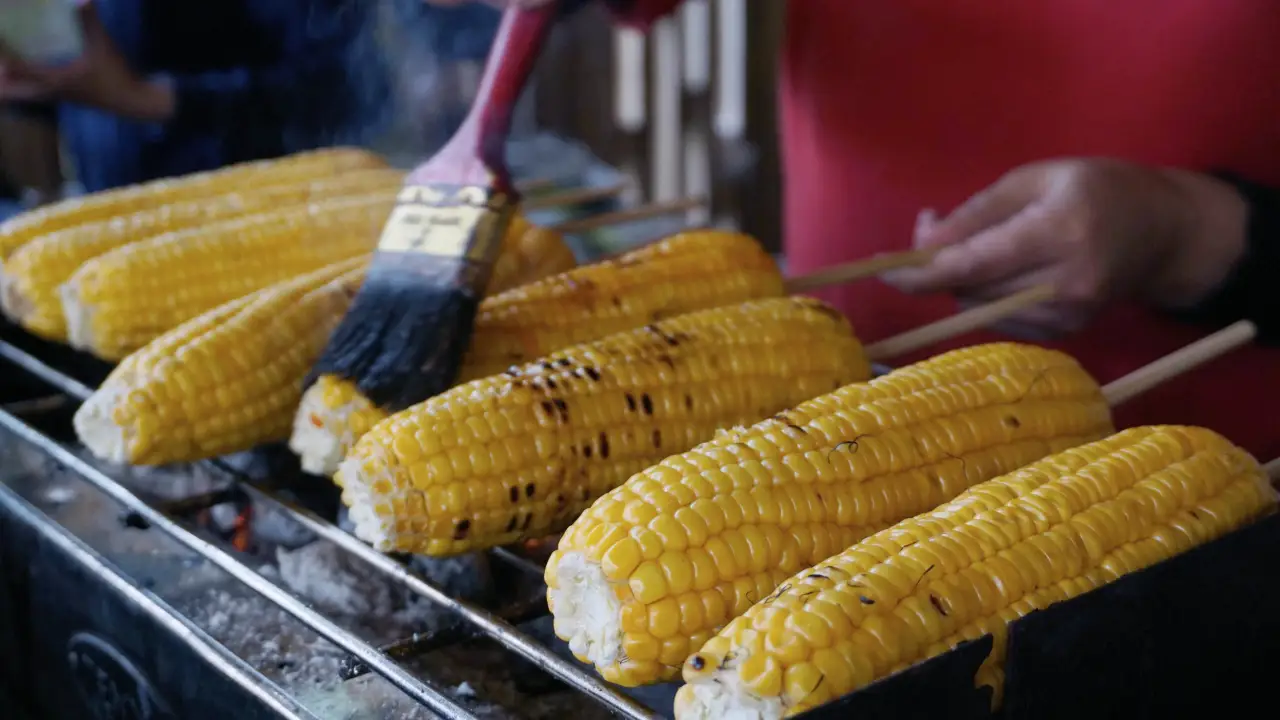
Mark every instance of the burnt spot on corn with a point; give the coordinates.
(592, 373)
(656, 437)
(583, 494)
(551, 383)
(528, 518)
(697, 663)
(631, 402)
(515, 494)
(647, 403)
(937, 605)
(665, 359)
(529, 490)
(688, 401)
(511, 524)
(587, 451)
(460, 530)
(604, 446)
(1012, 421)
(818, 576)
(866, 600)
(667, 338)
(564, 362)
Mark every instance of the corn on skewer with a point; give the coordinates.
(31, 276)
(634, 588)
(687, 272)
(230, 379)
(520, 454)
(122, 201)
(1049, 532)
(123, 299)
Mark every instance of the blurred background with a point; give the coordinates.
(685, 111)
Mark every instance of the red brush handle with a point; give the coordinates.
(481, 140)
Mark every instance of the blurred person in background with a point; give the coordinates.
(1126, 153)
(165, 88)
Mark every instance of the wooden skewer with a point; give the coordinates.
(959, 324)
(642, 212)
(858, 270)
(574, 196)
(1178, 362)
(1272, 469)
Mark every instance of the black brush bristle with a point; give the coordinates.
(404, 337)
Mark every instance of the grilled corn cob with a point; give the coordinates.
(30, 277)
(519, 455)
(123, 299)
(657, 566)
(198, 186)
(687, 272)
(231, 379)
(1051, 531)
(222, 382)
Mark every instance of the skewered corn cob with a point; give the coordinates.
(658, 565)
(31, 276)
(198, 186)
(222, 382)
(1046, 533)
(687, 272)
(231, 379)
(123, 299)
(521, 454)
(333, 414)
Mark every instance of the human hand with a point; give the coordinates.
(1096, 230)
(100, 78)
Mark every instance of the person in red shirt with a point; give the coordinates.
(1125, 152)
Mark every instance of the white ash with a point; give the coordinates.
(59, 495)
(170, 482)
(270, 524)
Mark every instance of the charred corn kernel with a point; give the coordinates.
(766, 501)
(223, 382)
(519, 455)
(333, 414)
(198, 186)
(1156, 491)
(687, 272)
(31, 276)
(123, 299)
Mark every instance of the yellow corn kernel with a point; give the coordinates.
(333, 414)
(224, 382)
(519, 455)
(687, 272)
(1142, 495)
(31, 276)
(766, 501)
(198, 186)
(123, 299)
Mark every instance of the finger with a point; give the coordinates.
(992, 256)
(991, 207)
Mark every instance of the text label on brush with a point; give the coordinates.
(461, 222)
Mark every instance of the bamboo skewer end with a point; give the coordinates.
(1179, 362)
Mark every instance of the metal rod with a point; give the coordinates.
(417, 689)
(500, 630)
(35, 366)
(497, 628)
(419, 644)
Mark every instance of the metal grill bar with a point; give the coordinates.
(415, 687)
(490, 624)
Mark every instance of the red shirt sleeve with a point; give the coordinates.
(641, 14)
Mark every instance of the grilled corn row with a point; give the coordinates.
(31, 276)
(687, 272)
(653, 569)
(521, 454)
(230, 379)
(198, 186)
(123, 299)
(1051, 531)
(223, 382)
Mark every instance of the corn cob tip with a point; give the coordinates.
(332, 416)
(96, 428)
(728, 697)
(587, 610)
(358, 495)
(78, 316)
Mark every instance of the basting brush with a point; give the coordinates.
(403, 338)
